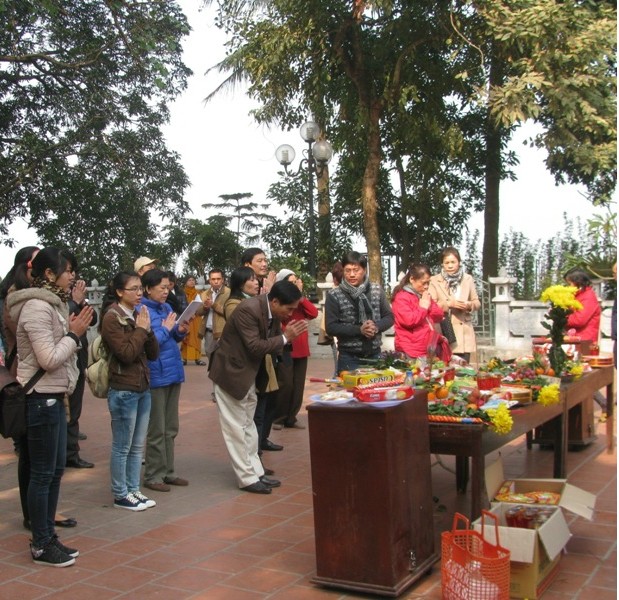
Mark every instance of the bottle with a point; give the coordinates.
(409, 379)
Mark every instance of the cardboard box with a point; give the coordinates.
(572, 498)
(534, 553)
(354, 379)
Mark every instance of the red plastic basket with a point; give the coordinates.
(472, 568)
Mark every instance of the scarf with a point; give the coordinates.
(359, 299)
(51, 287)
(453, 281)
(191, 293)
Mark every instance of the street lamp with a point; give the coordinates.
(316, 158)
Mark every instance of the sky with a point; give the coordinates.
(224, 151)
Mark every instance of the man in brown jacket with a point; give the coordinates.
(237, 368)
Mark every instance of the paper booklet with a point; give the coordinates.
(189, 312)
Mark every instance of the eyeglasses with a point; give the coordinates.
(135, 288)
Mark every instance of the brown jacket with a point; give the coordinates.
(460, 319)
(131, 347)
(219, 319)
(238, 361)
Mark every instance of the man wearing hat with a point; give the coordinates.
(143, 264)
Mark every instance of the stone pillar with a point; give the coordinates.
(502, 299)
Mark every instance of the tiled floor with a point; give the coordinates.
(210, 540)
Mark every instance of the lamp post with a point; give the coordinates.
(316, 158)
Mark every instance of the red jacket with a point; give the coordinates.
(586, 322)
(412, 330)
(300, 345)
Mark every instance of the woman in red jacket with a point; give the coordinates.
(291, 374)
(414, 311)
(586, 321)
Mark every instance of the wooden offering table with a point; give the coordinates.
(373, 511)
(477, 440)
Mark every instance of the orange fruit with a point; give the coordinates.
(442, 393)
(539, 371)
(431, 396)
(343, 373)
(550, 372)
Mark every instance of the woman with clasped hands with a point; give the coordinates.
(130, 341)
(48, 338)
(166, 376)
(414, 311)
(455, 292)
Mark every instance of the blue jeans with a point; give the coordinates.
(130, 412)
(350, 362)
(47, 446)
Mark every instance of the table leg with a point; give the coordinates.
(477, 477)
(462, 473)
(560, 443)
(529, 435)
(610, 417)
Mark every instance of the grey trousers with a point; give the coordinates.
(162, 431)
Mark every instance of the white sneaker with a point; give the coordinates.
(129, 502)
(143, 499)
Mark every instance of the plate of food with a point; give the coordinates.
(386, 403)
(332, 398)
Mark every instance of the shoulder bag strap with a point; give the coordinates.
(10, 358)
(34, 380)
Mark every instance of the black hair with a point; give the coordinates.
(54, 259)
(118, 282)
(579, 277)
(354, 258)
(285, 291)
(152, 278)
(18, 274)
(415, 271)
(170, 275)
(249, 255)
(337, 272)
(238, 278)
(450, 251)
(223, 275)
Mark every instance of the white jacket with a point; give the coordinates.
(42, 324)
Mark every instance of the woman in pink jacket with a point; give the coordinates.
(414, 311)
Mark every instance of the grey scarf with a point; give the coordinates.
(453, 281)
(359, 299)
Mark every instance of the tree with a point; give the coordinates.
(561, 74)
(204, 245)
(83, 92)
(248, 220)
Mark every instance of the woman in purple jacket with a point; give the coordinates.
(166, 376)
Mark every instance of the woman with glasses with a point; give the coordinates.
(130, 342)
(415, 312)
(48, 338)
(356, 313)
(166, 376)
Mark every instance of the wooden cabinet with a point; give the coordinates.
(580, 426)
(371, 484)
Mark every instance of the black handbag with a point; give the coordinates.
(13, 401)
(447, 329)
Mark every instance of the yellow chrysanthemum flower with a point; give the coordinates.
(561, 296)
(549, 395)
(501, 419)
(577, 370)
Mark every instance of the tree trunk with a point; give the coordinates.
(325, 254)
(368, 195)
(494, 148)
(405, 242)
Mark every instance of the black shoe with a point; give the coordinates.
(80, 463)
(269, 445)
(69, 522)
(72, 552)
(200, 363)
(184, 363)
(257, 488)
(268, 471)
(82, 436)
(270, 482)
